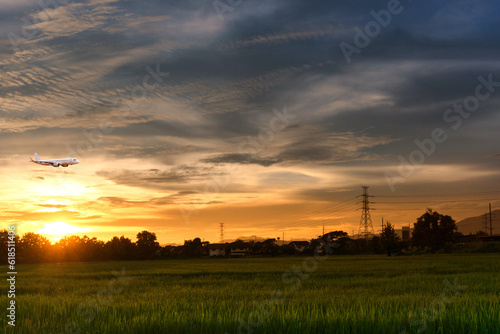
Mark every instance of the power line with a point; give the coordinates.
(311, 223)
(325, 210)
(392, 209)
(300, 220)
(318, 217)
(427, 202)
(480, 193)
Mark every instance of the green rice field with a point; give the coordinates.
(336, 294)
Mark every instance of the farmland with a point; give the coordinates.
(338, 294)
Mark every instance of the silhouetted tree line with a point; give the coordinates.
(433, 232)
(34, 248)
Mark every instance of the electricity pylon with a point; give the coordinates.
(365, 225)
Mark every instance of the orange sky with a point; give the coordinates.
(55, 201)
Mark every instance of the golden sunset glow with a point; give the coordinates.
(57, 230)
(106, 198)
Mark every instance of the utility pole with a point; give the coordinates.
(283, 240)
(323, 229)
(382, 230)
(365, 224)
(221, 232)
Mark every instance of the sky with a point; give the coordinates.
(267, 116)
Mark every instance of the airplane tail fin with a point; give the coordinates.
(37, 158)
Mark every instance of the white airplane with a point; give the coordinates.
(55, 162)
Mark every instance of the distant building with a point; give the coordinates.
(404, 233)
(240, 249)
(216, 249)
(176, 251)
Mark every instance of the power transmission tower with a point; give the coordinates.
(221, 232)
(365, 225)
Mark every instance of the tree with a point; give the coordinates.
(481, 233)
(269, 247)
(91, 249)
(287, 249)
(34, 248)
(337, 240)
(69, 249)
(193, 248)
(433, 230)
(335, 236)
(147, 245)
(120, 249)
(360, 246)
(389, 238)
(376, 245)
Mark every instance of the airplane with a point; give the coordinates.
(55, 162)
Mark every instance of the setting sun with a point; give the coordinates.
(57, 230)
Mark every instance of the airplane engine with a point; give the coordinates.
(65, 165)
(55, 165)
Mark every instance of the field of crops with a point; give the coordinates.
(419, 294)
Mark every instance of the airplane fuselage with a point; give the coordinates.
(55, 162)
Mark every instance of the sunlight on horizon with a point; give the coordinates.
(58, 230)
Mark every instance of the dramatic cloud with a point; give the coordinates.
(239, 158)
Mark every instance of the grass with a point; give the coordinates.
(359, 294)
